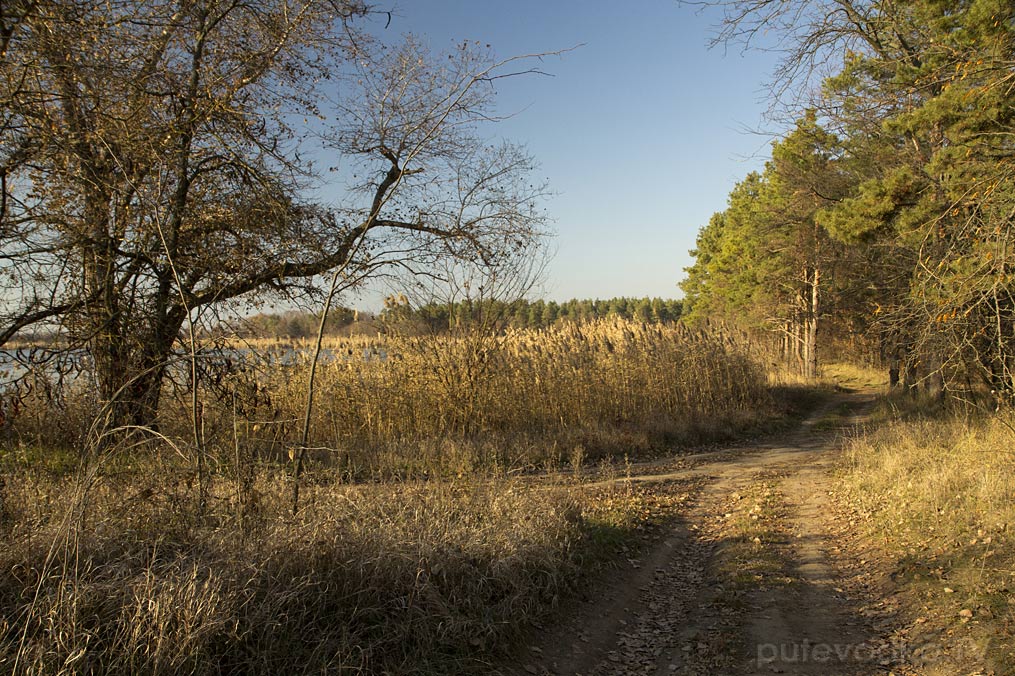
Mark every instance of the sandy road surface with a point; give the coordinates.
(751, 579)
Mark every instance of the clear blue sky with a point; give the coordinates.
(641, 132)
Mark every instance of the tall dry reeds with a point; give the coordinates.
(452, 404)
(609, 386)
(135, 563)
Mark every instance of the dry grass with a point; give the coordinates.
(119, 565)
(451, 405)
(454, 405)
(116, 572)
(854, 377)
(336, 343)
(937, 497)
(832, 375)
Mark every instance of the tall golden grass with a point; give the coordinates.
(453, 404)
(128, 560)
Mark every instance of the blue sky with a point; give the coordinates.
(641, 132)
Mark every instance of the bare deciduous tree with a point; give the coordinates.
(157, 162)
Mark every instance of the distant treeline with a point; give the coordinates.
(296, 324)
(535, 314)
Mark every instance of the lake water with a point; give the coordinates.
(17, 363)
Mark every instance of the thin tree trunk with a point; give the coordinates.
(305, 434)
(812, 327)
(798, 345)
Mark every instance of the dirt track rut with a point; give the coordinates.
(749, 581)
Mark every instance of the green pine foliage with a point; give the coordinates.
(897, 186)
(529, 314)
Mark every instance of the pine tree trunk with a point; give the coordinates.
(812, 327)
(798, 346)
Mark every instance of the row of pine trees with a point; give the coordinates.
(887, 212)
(519, 314)
(532, 314)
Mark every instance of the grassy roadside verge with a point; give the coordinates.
(934, 500)
(125, 575)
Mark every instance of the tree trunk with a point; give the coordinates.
(805, 348)
(132, 387)
(909, 374)
(130, 371)
(798, 346)
(811, 327)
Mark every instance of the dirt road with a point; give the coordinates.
(751, 580)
